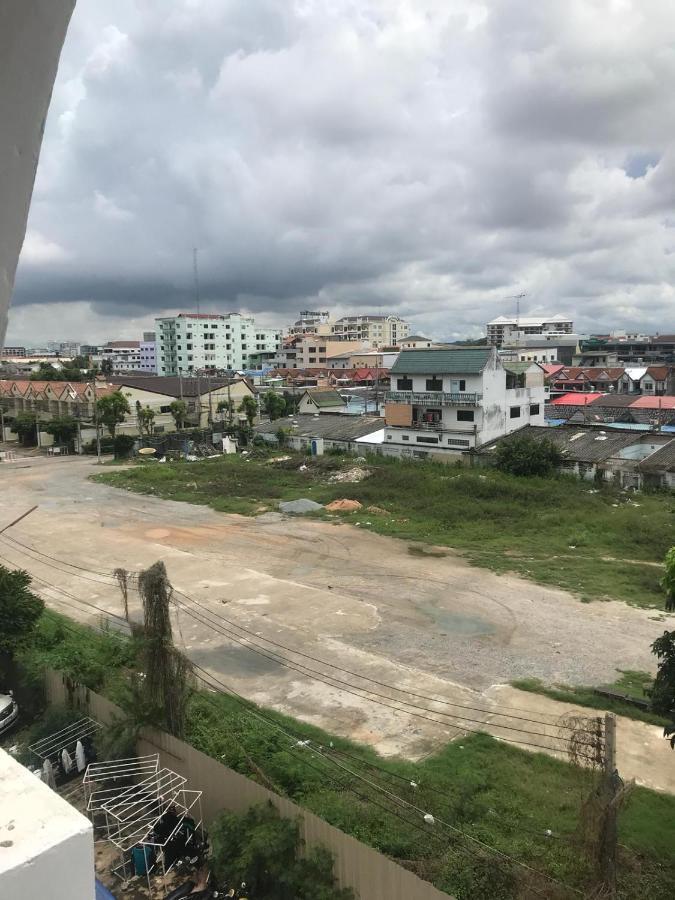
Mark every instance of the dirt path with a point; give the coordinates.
(355, 601)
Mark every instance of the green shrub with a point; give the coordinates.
(123, 445)
(261, 849)
(520, 455)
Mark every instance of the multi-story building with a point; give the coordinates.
(377, 330)
(511, 329)
(192, 342)
(448, 401)
(64, 348)
(13, 352)
(125, 356)
(312, 351)
(90, 350)
(148, 352)
(311, 322)
(633, 349)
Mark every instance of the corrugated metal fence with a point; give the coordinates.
(371, 875)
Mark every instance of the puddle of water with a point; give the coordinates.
(456, 623)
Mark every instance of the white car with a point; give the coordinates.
(9, 711)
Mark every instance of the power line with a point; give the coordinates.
(354, 689)
(254, 648)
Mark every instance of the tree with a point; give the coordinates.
(668, 580)
(63, 429)
(106, 366)
(20, 610)
(178, 409)
(48, 372)
(24, 425)
(226, 406)
(146, 419)
(663, 689)
(80, 362)
(260, 848)
(112, 409)
(520, 455)
(273, 404)
(249, 407)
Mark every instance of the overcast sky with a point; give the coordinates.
(426, 157)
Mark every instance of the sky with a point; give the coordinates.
(430, 158)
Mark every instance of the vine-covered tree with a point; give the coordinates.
(146, 419)
(226, 407)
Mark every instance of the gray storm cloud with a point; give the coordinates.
(426, 156)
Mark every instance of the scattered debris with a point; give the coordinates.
(278, 459)
(298, 507)
(350, 476)
(377, 510)
(344, 505)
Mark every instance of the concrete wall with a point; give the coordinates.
(31, 37)
(371, 875)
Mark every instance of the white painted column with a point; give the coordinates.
(32, 33)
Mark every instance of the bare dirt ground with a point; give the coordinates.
(423, 624)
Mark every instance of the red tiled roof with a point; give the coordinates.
(576, 399)
(666, 402)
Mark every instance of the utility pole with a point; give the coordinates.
(609, 837)
(96, 424)
(208, 382)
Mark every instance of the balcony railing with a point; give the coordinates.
(426, 426)
(462, 398)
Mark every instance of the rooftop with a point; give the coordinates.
(331, 427)
(529, 321)
(325, 397)
(33, 817)
(466, 361)
(172, 385)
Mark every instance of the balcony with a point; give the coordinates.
(463, 398)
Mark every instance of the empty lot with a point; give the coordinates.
(356, 600)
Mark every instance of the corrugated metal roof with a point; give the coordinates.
(332, 427)
(470, 361)
(325, 397)
(662, 460)
(577, 443)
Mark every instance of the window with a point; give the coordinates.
(311, 349)
(427, 440)
(405, 437)
(534, 409)
(465, 415)
(404, 384)
(458, 442)
(165, 409)
(434, 384)
(188, 346)
(514, 412)
(458, 386)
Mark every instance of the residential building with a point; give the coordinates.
(64, 348)
(448, 401)
(193, 342)
(416, 342)
(655, 412)
(148, 352)
(307, 351)
(607, 350)
(311, 322)
(630, 459)
(651, 380)
(320, 400)
(201, 394)
(90, 350)
(46, 844)
(358, 359)
(124, 356)
(13, 352)
(376, 330)
(509, 329)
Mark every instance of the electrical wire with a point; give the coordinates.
(254, 637)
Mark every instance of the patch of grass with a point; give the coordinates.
(629, 683)
(601, 544)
